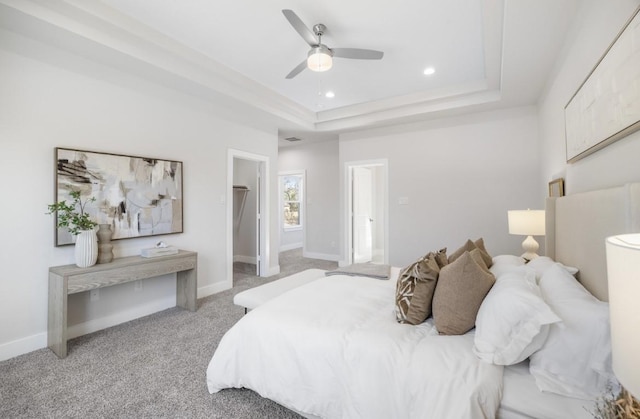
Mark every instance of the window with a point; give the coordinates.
(291, 186)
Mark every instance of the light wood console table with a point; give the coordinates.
(70, 279)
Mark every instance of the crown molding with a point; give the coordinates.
(95, 31)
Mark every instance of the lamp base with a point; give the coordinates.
(530, 246)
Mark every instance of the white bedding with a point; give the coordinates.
(522, 399)
(327, 349)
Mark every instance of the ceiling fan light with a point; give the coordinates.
(320, 59)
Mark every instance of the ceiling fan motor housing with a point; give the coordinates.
(319, 29)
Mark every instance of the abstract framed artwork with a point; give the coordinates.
(137, 196)
(606, 107)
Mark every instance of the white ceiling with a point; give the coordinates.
(486, 53)
(254, 38)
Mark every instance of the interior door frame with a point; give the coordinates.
(347, 258)
(262, 216)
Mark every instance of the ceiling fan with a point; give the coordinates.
(320, 57)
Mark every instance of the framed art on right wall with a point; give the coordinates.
(606, 107)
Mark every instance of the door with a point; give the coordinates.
(362, 215)
(367, 206)
(259, 219)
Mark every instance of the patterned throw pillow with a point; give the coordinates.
(414, 290)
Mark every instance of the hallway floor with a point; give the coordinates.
(291, 261)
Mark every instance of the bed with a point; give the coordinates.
(333, 347)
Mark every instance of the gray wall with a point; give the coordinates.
(320, 160)
(461, 175)
(597, 26)
(53, 98)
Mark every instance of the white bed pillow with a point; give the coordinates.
(513, 320)
(575, 360)
(542, 263)
(508, 260)
(506, 263)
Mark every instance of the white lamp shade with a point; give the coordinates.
(526, 222)
(319, 59)
(623, 269)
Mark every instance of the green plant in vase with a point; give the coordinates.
(73, 216)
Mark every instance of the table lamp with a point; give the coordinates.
(623, 272)
(527, 223)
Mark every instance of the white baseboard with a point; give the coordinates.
(285, 247)
(22, 346)
(39, 341)
(120, 317)
(273, 270)
(322, 256)
(214, 288)
(245, 259)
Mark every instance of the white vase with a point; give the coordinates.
(86, 248)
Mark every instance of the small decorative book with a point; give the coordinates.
(161, 249)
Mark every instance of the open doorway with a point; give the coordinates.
(247, 234)
(246, 192)
(291, 188)
(367, 212)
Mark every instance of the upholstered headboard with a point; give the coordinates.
(577, 226)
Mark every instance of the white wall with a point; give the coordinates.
(291, 238)
(460, 176)
(52, 98)
(595, 28)
(320, 160)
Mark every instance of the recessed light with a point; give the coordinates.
(330, 94)
(429, 71)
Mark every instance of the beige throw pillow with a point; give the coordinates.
(469, 246)
(462, 286)
(476, 254)
(488, 260)
(414, 290)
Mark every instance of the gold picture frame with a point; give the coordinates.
(556, 188)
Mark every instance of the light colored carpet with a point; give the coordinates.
(152, 367)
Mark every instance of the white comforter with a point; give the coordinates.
(332, 348)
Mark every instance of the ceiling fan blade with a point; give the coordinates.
(300, 27)
(357, 53)
(297, 70)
